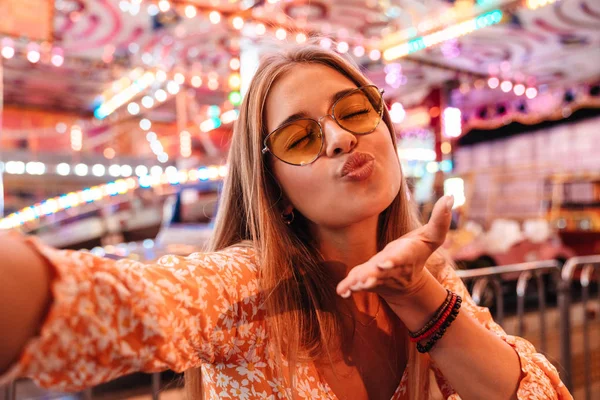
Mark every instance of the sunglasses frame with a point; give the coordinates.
(318, 122)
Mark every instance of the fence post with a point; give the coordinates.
(564, 305)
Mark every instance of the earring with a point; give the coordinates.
(288, 218)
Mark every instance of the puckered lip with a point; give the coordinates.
(355, 161)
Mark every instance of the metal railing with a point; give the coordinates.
(496, 278)
(586, 266)
(523, 273)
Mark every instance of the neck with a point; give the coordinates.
(345, 248)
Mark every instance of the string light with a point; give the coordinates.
(147, 101)
(260, 29)
(57, 59)
(15, 167)
(8, 48)
(359, 51)
(98, 170)
(422, 42)
(235, 81)
(160, 95)
(493, 82)
(33, 53)
(531, 93)
(506, 86)
(81, 170)
(145, 124)
(179, 78)
(300, 38)
(234, 64)
(214, 17)
(185, 144)
(140, 84)
(238, 23)
(342, 47)
(109, 153)
(235, 98)
(229, 116)
(374, 54)
(76, 138)
(451, 122)
(114, 170)
(126, 170)
(190, 11)
(280, 34)
(519, 89)
(164, 5)
(63, 169)
(161, 76)
(397, 113)
(173, 87)
(196, 81)
(325, 43)
(534, 4)
(133, 108)
(141, 170)
(213, 84)
(93, 194)
(210, 124)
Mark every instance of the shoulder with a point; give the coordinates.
(234, 269)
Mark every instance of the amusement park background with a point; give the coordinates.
(115, 119)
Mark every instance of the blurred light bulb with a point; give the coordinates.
(238, 23)
(215, 17)
(280, 34)
(196, 81)
(190, 11)
(160, 95)
(133, 108)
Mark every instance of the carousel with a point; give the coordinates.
(116, 114)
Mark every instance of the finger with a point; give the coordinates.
(439, 223)
(358, 279)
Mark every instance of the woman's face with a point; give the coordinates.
(324, 191)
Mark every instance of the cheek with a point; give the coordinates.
(301, 188)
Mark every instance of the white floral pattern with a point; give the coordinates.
(110, 318)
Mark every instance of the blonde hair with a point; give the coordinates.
(250, 210)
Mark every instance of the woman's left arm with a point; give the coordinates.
(475, 356)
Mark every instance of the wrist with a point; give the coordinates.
(418, 305)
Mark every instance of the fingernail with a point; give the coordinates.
(387, 264)
(449, 203)
(346, 294)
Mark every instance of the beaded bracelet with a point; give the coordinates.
(439, 323)
(442, 329)
(435, 318)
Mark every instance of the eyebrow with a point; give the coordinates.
(304, 114)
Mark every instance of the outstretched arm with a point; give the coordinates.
(108, 318)
(24, 296)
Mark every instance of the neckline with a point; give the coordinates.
(334, 396)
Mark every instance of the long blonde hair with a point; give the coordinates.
(290, 269)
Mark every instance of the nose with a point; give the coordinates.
(337, 140)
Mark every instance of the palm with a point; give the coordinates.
(397, 268)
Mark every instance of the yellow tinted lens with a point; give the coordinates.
(360, 111)
(297, 143)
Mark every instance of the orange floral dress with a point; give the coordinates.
(110, 318)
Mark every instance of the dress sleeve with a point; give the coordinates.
(540, 379)
(110, 318)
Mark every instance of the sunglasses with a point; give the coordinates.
(300, 142)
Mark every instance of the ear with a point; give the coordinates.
(287, 207)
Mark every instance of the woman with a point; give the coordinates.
(319, 282)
